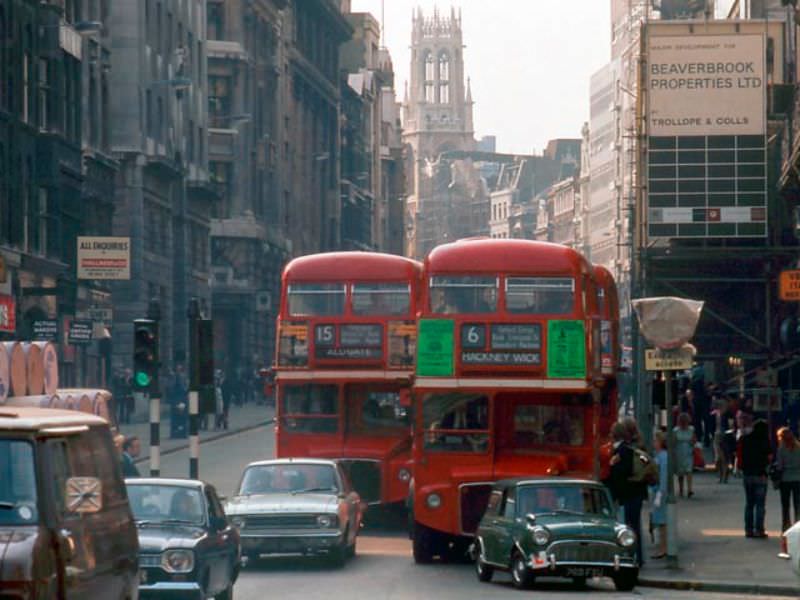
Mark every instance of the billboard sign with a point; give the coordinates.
(706, 85)
(706, 134)
(104, 258)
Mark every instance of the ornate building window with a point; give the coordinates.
(444, 67)
(430, 66)
(444, 79)
(429, 93)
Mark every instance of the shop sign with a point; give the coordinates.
(104, 258)
(8, 314)
(45, 330)
(80, 333)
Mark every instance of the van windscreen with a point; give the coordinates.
(17, 482)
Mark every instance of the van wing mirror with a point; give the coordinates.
(84, 494)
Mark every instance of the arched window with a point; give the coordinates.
(430, 66)
(444, 67)
(444, 92)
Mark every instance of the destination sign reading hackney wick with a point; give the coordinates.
(706, 117)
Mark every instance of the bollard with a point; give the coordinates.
(194, 437)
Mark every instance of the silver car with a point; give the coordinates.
(296, 506)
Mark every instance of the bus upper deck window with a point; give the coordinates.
(381, 299)
(540, 295)
(451, 295)
(316, 299)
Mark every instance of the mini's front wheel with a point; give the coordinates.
(521, 576)
(626, 580)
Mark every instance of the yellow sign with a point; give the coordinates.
(789, 285)
(668, 360)
(298, 331)
(402, 329)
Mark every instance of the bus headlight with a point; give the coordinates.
(433, 500)
(404, 475)
(626, 537)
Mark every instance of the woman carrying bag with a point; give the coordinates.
(787, 473)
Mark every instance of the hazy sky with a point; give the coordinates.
(529, 61)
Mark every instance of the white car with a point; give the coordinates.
(790, 547)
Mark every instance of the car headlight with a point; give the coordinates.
(626, 537)
(433, 500)
(327, 520)
(177, 561)
(238, 522)
(540, 535)
(403, 475)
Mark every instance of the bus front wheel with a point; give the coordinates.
(423, 542)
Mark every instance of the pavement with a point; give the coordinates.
(241, 418)
(714, 555)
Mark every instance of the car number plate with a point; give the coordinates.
(584, 572)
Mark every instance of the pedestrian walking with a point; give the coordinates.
(658, 493)
(685, 440)
(131, 448)
(788, 465)
(722, 455)
(627, 491)
(754, 457)
(220, 420)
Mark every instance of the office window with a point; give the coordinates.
(215, 17)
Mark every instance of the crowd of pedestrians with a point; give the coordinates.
(755, 447)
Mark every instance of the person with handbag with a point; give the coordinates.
(787, 465)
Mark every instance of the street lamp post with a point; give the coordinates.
(669, 324)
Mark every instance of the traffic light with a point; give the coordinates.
(202, 364)
(145, 355)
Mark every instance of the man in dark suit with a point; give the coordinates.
(131, 448)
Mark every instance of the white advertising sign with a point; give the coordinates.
(104, 258)
(706, 85)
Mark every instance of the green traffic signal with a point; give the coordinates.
(142, 379)
(145, 354)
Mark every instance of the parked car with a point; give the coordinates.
(188, 549)
(554, 528)
(66, 529)
(790, 547)
(297, 506)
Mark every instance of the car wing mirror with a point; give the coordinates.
(530, 518)
(83, 494)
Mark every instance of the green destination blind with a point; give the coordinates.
(566, 350)
(435, 348)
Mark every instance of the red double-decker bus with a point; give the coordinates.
(345, 357)
(508, 379)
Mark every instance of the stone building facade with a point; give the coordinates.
(248, 247)
(55, 170)
(163, 197)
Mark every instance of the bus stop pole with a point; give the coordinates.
(155, 434)
(194, 437)
(672, 505)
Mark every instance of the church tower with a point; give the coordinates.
(437, 107)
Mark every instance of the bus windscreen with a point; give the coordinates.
(452, 295)
(381, 299)
(540, 295)
(316, 299)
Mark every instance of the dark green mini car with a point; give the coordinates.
(554, 528)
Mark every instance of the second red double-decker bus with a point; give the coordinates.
(345, 356)
(508, 379)
(608, 311)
